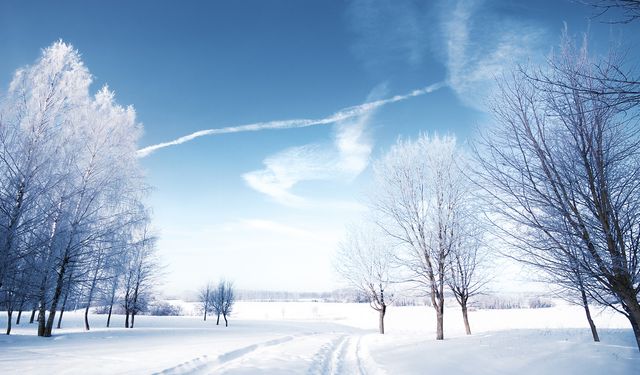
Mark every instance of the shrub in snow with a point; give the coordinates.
(164, 309)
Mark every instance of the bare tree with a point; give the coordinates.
(228, 300)
(222, 300)
(364, 260)
(562, 168)
(417, 187)
(141, 271)
(630, 9)
(204, 297)
(467, 266)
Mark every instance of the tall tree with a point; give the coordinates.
(561, 166)
(417, 187)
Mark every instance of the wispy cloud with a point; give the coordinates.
(344, 114)
(475, 40)
(390, 31)
(480, 45)
(342, 159)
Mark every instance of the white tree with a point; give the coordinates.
(417, 189)
(70, 182)
(141, 272)
(364, 260)
(467, 261)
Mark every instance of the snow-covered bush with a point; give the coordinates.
(162, 308)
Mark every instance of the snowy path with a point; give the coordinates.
(321, 353)
(312, 342)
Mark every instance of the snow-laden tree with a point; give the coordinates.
(141, 272)
(561, 166)
(418, 187)
(364, 260)
(69, 182)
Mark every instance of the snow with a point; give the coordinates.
(328, 338)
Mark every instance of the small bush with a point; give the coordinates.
(539, 303)
(164, 309)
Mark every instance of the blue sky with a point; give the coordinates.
(267, 208)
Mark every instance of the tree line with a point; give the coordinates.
(73, 221)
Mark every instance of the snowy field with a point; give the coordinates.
(326, 338)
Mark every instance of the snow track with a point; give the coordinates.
(204, 365)
(321, 353)
(343, 355)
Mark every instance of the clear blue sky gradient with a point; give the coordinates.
(192, 65)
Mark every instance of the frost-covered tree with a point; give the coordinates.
(141, 272)
(364, 260)
(69, 177)
(417, 189)
(467, 261)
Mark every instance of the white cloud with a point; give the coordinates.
(341, 115)
(479, 49)
(342, 159)
(345, 158)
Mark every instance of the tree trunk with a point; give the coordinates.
(439, 325)
(592, 325)
(126, 318)
(33, 314)
(56, 297)
(86, 318)
(218, 321)
(109, 316)
(91, 290)
(465, 317)
(64, 305)
(9, 312)
(632, 307)
(226, 323)
(205, 314)
(134, 305)
(20, 310)
(114, 285)
(64, 301)
(382, 312)
(41, 319)
(42, 297)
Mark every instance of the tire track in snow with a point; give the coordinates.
(344, 355)
(203, 364)
(325, 361)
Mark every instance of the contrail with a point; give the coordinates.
(341, 115)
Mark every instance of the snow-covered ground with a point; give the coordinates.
(327, 338)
